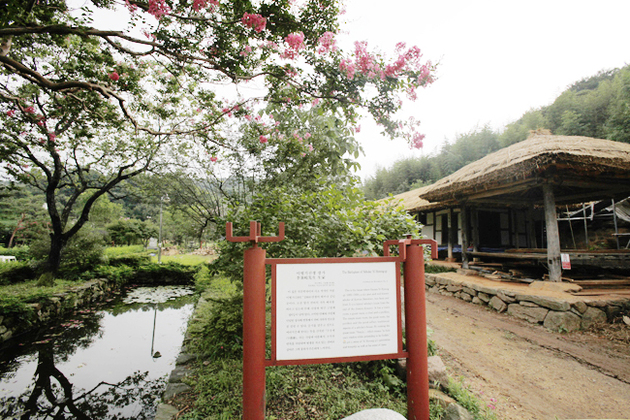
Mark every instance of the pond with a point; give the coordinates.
(105, 363)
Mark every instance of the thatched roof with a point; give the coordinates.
(410, 200)
(580, 168)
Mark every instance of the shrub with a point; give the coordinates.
(16, 272)
(21, 253)
(165, 273)
(223, 333)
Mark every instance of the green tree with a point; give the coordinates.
(335, 221)
(617, 127)
(84, 108)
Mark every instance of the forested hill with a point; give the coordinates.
(598, 106)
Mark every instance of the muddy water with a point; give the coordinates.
(105, 363)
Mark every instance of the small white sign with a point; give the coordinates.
(566, 261)
(335, 310)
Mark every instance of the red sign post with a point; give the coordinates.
(315, 271)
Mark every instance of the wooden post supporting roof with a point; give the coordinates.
(553, 235)
(449, 235)
(464, 236)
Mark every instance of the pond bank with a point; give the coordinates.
(60, 304)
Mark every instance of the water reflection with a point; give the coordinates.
(99, 364)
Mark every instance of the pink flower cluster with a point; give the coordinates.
(158, 8)
(255, 21)
(327, 43)
(200, 4)
(408, 61)
(296, 43)
(416, 140)
(114, 76)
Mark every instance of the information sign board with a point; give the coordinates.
(336, 310)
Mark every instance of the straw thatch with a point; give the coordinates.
(410, 200)
(578, 166)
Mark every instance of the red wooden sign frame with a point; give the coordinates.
(411, 254)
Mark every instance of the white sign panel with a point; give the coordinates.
(335, 310)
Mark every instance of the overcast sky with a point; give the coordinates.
(497, 58)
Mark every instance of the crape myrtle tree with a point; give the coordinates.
(86, 105)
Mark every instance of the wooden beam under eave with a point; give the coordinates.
(553, 235)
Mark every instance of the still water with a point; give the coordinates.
(107, 363)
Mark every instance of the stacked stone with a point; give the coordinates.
(555, 314)
(57, 305)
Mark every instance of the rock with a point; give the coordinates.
(465, 297)
(593, 316)
(429, 280)
(184, 359)
(437, 370)
(456, 412)
(434, 289)
(477, 301)
(376, 414)
(562, 321)
(555, 286)
(165, 412)
(178, 374)
(484, 297)
(441, 398)
(487, 290)
(580, 306)
(470, 291)
(613, 311)
(174, 389)
(505, 297)
(454, 287)
(546, 301)
(533, 315)
(497, 304)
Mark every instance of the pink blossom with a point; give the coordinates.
(114, 76)
(11, 112)
(310, 147)
(327, 43)
(263, 139)
(357, 129)
(248, 117)
(416, 141)
(29, 110)
(303, 154)
(40, 123)
(246, 52)
(158, 8)
(52, 136)
(213, 159)
(348, 67)
(131, 7)
(307, 136)
(295, 40)
(315, 102)
(200, 4)
(255, 21)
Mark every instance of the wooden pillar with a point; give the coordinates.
(531, 228)
(449, 235)
(553, 235)
(464, 236)
(475, 228)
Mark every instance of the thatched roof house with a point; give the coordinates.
(508, 199)
(580, 168)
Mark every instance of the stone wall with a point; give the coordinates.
(557, 314)
(57, 305)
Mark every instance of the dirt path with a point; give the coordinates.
(531, 372)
